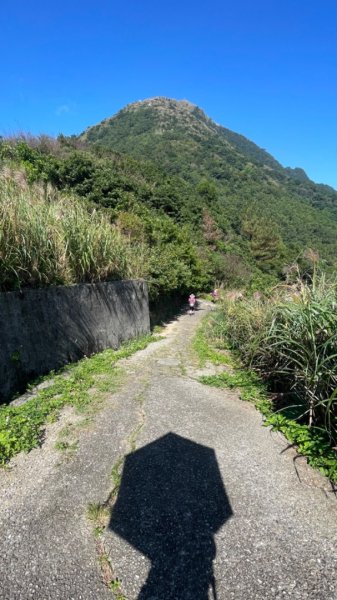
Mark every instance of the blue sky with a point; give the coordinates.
(266, 69)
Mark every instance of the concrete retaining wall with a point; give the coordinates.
(166, 308)
(43, 329)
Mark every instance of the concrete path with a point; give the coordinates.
(211, 505)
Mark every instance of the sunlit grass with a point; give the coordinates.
(55, 240)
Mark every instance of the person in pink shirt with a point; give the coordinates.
(191, 301)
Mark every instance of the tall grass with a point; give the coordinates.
(291, 339)
(48, 239)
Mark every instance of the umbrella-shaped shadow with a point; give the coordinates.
(170, 504)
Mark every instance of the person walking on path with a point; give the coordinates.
(191, 301)
(215, 295)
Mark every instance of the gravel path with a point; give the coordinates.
(210, 504)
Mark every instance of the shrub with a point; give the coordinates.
(291, 339)
(300, 349)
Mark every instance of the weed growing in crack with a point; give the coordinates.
(116, 475)
(115, 587)
(98, 531)
(99, 513)
(67, 446)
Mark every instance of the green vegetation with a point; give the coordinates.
(206, 351)
(56, 241)
(115, 586)
(82, 385)
(98, 513)
(248, 382)
(284, 360)
(241, 217)
(194, 204)
(263, 215)
(69, 216)
(291, 340)
(66, 446)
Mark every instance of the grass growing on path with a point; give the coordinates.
(311, 442)
(82, 385)
(250, 385)
(205, 351)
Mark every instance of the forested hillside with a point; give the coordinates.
(248, 193)
(69, 215)
(158, 191)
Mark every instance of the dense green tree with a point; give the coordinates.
(265, 242)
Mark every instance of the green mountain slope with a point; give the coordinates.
(160, 128)
(247, 192)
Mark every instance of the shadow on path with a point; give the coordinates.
(170, 504)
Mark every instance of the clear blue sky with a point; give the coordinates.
(264, 68)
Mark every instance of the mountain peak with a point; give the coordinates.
(162, 102)
(150, 127)
(167, 109)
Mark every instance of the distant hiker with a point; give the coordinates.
(215, 295)
(192, 302)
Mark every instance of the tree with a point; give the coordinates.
(265, 242)
(211, 231)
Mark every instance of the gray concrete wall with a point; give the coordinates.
(43, 329)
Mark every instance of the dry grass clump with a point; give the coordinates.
(49, 239)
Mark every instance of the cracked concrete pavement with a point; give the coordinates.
(210, 503)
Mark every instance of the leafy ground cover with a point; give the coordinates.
(82, 385)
